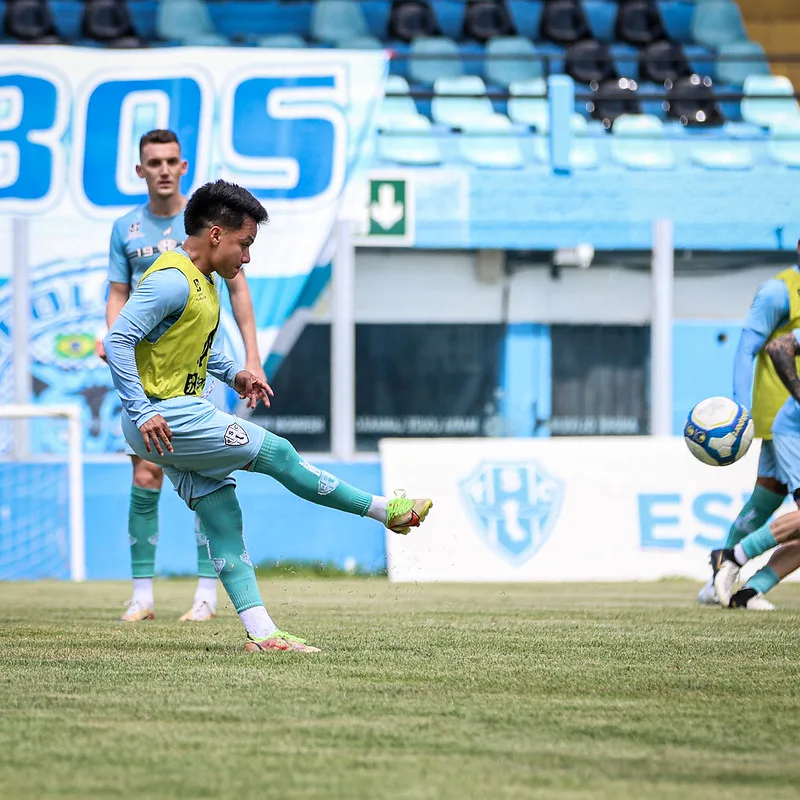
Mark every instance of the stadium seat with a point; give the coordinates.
(282, 40)
(725, 155)
(249, 20)
(433, 57)
(143, 18)
(589, 61)
(737, 60)
(612, 99)
(67, 18)
(485, 19)
(397, 101)
(108, 21)
(465, 99)
(409, 140)
(784, 143)
(449, 16)
(692, 101)
(490, 141)
(662, 61)
(601, 17)
(412, 19)
(509, 59)
(677, 18)
(335, 20)
(718, 22)
(563, 22)
(30, 21)
(638, 142)
(187, 21)
(582, 155)
(775, 104)
(526, 16)
(532, 107)
(361, 43)
(639, 23)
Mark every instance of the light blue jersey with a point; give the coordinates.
(137, 239)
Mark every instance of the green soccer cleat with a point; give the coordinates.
(280, 640)
(403, 513)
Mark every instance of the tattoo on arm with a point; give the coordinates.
(784, 351)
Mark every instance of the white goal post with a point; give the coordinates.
(19, 452)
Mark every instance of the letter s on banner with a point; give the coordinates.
(112, 113)
(284, 135)
(34, 109)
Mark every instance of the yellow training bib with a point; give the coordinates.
(175, 365)
(769, 393)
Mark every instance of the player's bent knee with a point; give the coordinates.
(773, 485)
(146, 475)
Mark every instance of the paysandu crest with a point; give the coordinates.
(514, 506)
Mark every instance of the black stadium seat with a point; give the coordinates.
(30, 21)
(109, 21)
(563, 22)
(691, 100)
(487, 18)
(589, 61)
(639, 23)
(410, 19)
(612, 99)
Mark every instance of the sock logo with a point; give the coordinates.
(236, 435)
(245, 557)
(327, 483)
(153, 540)
(219, 565)
(131, 540)
(202, 539)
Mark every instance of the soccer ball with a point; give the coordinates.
(718, 431)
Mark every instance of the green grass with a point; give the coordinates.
(429, 691)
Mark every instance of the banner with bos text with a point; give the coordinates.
(567, 509)
(294, 127)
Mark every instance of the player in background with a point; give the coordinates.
(160, 350)
(774, 312)
(137, 239)
(783, 351)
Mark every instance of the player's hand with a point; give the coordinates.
(252, 388)
(157, 431)
(99, 350)
(257, 368)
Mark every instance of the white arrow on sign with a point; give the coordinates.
(387, 212)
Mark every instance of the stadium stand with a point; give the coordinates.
(470, 76)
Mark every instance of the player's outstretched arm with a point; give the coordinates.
(783, 351)
(242, 306)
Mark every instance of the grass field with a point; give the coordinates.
(431, 691)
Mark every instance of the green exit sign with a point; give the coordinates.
(391, 211)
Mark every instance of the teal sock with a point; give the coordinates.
(278, 459)
(763, 580)
(221, 516)
(143, 530)
(758, 542)
(757, 510)
(205, 567)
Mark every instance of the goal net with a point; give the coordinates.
(41, 493)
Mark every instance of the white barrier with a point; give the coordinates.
(571, 509)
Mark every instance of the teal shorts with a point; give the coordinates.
(208, 445)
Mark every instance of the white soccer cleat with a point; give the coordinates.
(751, 600)
(199, 612)
(137, 612)
(707, 596)
(726, 573)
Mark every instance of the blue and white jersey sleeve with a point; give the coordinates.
(119, 268)
(222, 367)
(768, 312)
(150, 311)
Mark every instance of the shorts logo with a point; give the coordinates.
(236, 435)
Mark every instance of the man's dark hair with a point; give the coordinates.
(224, 204)
(158, 136)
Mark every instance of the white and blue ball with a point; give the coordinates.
(718, 431)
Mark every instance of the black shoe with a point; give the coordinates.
(742, 597)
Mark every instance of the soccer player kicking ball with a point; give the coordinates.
(137, 239)
(160, 353)
(784, 350)
(775, 311)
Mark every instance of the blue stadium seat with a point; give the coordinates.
(282, 41)
(409, 140)
(251, 19)
(450, 17)
(718, 22)
(361, 43)
(187, 21)
(67, 17)
(433, 57)
(469, 101)
(721, 154)
(532, 107)
(510, 59)
(376, 14)
(638, 142)
(767, 110)
(335, 20)
(491, 142)
(677, 18)
(784, 143)
(602, 17)
(701, 59)
(527, 16)
(397, 101)
(143, 17)
(737, 60)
